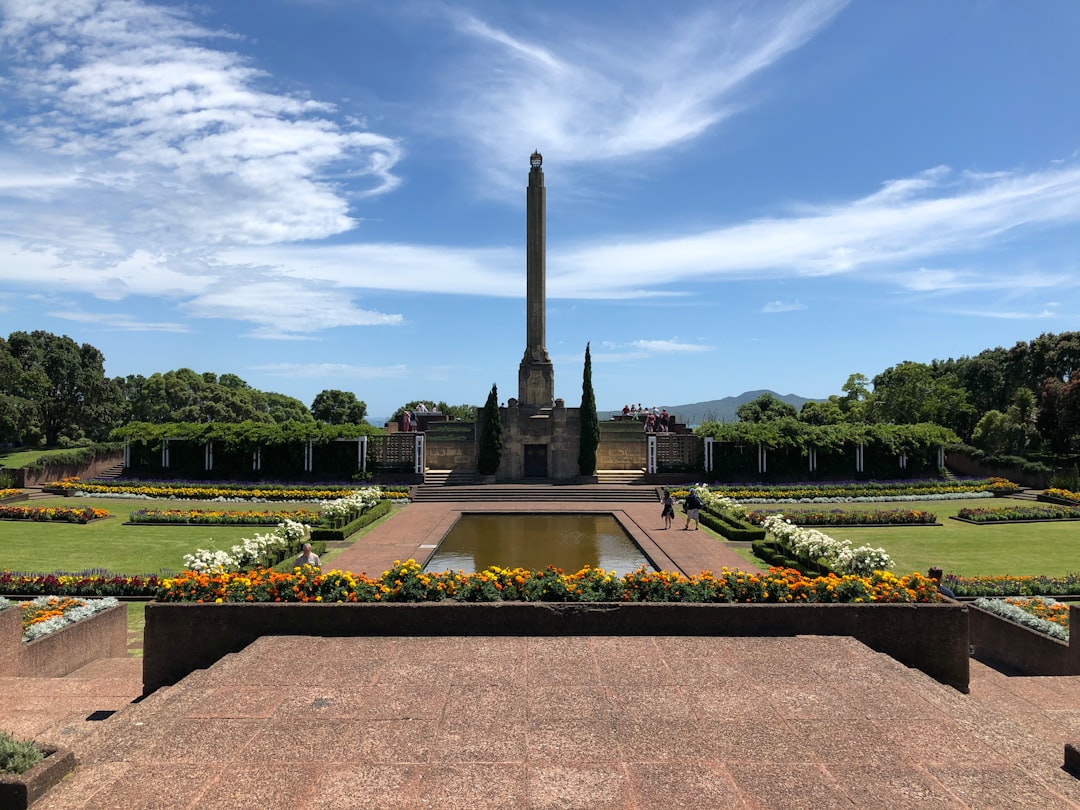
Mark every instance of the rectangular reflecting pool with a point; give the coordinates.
(535, 541)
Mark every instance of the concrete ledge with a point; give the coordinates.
(103, 635)
(998, 642)
(181, 637)
(19, 791)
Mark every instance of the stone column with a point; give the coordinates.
(536, 374)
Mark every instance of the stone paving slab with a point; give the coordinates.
(574, 722)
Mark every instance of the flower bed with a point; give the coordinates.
(217, 517)
(100, 633)
(1018, 513)
(218, 491)
(1003, 642)
(817, 548)
(407, 582)
(846, 517)
(77, 584)
(1064, 495)
(860, 491)
(10, 494)
(1040, 613)
(44, 514)
(47, 614)
(1013, 585)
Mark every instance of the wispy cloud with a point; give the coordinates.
(878, 237)
(615, 352)
(593, 92)
(340, 371)
(132, 100)
(119, 322)
(782, 306)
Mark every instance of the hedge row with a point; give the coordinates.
(337, 535)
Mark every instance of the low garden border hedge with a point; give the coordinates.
(344, 532)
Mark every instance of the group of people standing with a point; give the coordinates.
(692, 505)
(655, 419)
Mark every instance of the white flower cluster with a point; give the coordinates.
(343, 509)
(939, 496)
(1016, 614)
(131, 496)
(88, 608)
(248, 552)
(837, 554)
(719, 503)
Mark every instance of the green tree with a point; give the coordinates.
(766, 408)
(590, 423)
(815, 412)
(65, 387)
(909, 393)
(338, 407)
(489, 453)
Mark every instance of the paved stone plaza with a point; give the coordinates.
(641, 722)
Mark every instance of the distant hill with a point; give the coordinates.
(718, 410)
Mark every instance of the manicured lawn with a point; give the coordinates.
(106, 544)
(1051, 548)
(15, 459)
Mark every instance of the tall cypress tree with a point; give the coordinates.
(590, 423)
(489, 453)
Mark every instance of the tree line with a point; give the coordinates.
(54, 392)
(1021, 401)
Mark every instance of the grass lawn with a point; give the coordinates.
(109, 545)
(1051, 548)
(14, 459)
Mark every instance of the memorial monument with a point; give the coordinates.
(541, 436)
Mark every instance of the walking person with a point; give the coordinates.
(668, 514)
(692, 505)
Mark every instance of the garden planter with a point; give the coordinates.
(19, 791)
(181, 637)
(103, 635)
(998, 642)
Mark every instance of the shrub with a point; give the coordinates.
(17, 756)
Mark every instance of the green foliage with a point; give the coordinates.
(17, 756)
(241, 435)
(336, 407)
(765, 408)
(789, 432)
(489, 453)
(74, 458)
(1063, 479)
(376, 512)
(590, 424)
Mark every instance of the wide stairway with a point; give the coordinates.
(445, 486)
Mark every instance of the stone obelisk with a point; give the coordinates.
(536, 374)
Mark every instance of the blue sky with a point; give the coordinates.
(331, 193)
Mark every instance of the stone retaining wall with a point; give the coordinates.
(181, 637)
(998, 642)
(103, 635)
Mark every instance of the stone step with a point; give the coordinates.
(536, 493)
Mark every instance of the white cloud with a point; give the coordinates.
(782, 306)
(607, 92)
(120, 322)
(155, 134)
(612, 352)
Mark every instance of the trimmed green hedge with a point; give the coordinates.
(774, 555)
(730, 527)
(340, 534)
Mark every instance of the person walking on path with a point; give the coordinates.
(692, 505)
(668, 514)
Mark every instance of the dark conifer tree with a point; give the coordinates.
(489, 453)
(590, 423)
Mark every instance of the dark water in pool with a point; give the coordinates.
(569, 542)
